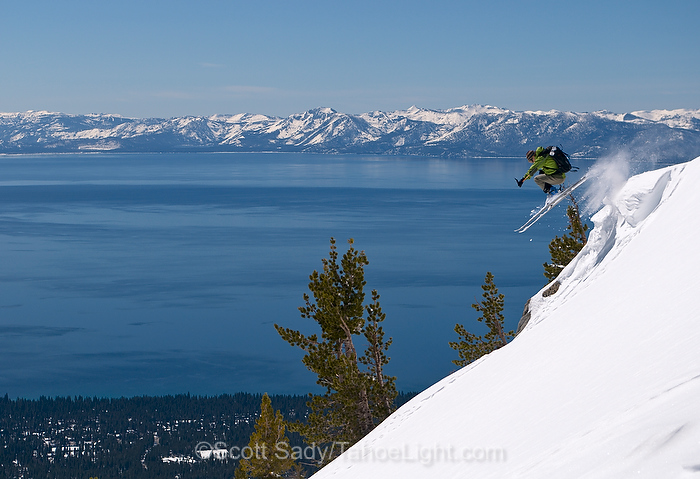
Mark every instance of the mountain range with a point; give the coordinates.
(467, 131)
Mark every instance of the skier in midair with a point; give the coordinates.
(549, 170)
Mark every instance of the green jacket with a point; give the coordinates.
(542, 162)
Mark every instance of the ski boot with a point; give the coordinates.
(552, 190)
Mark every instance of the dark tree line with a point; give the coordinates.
(82, 437)
(79, 437)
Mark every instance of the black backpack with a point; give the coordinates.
(561, 158)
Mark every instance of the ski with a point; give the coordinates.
(551, 203)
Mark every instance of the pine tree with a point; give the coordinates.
(381, 388)
(471, 347)
(355, 399)
(563, 250)
(267, 454)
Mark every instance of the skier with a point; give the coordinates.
(548, 168)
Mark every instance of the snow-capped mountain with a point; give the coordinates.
(466, 131)
(602, 382)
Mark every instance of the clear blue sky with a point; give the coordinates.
(164, 58)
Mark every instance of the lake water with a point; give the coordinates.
(159, 274)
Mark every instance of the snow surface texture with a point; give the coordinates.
(604, 382)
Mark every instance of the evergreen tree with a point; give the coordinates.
(381, 388)
(356, 399)
(471, 347)
(563, 250)
(268, 453)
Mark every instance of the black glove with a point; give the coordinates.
(520, 182)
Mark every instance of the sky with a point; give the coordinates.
(166, 58)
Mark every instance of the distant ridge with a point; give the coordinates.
(466, 131)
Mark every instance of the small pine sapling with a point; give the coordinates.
(471, 347)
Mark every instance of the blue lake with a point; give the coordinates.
(155, 274)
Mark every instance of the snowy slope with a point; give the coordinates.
(604, 382)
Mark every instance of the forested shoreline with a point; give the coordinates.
(138, 437)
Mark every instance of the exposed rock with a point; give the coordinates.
(551, 290)
(524, 319)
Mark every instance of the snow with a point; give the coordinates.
(466, 131)
(603, 382)
(451, 116)
(680, 118)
